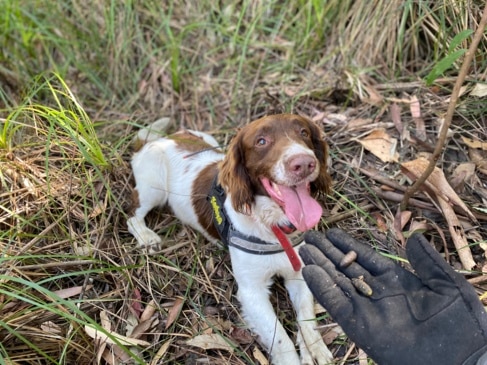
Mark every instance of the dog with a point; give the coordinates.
(257, 199)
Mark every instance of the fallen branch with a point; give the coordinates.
(449, 114)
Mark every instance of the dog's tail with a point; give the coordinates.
(151, 132)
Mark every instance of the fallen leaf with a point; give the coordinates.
(362, 357)
(358, 123)
(379, 143)
(71, 292)
(51, 328)
(174, 312)
(143, 327)
(458, 235)
(211, 342)
(479, 158)
(438, 186)
(474, 143)
(436, 182)
(374, 97)
(259, 356)
(136, 302)
(395, 112)
(463, 173)
(479, 90)
(241, 335)
(160, 353)
(415, 109)
(131, 321)
(380, 222)
(418, 226)
(329, 337)
(113, 338)
(106, 324)
(149, 311)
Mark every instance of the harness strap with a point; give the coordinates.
(232, 237)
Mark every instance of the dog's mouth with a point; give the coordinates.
(300, 208)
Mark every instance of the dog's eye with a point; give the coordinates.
(304, 133)
(261, 141)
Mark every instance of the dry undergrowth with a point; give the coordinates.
(69, 269)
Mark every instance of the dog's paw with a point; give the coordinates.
(147, 239)
(317, 353)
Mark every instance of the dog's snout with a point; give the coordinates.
(301, 165)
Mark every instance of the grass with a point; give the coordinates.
(78, 78)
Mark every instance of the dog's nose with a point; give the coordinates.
(301, 165)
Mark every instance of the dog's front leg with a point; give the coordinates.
(311, 345)
(262, 320)
(254, 279)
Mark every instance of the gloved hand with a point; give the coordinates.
(433, 317)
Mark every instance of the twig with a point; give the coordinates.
(449, 113)
(348, 213)
(478, 280)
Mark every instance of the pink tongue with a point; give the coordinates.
(301, 209)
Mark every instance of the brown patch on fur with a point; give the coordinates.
(137, 145)
(135, 202)
(189, 142)
(247, 160)
(201, 189)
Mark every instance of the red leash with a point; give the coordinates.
(287, 247)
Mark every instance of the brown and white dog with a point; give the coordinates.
(260, 193)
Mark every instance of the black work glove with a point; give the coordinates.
(433, 317)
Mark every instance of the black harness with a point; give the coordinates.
(232, 237)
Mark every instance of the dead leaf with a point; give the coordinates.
(149, 311)
(211, 342)
(241, 335)
(436, 182)
(458, 235)
(380, 222)
(160, 353)
(143, 327)
(374, 97)
(415, 109)
(479, 158)
(51, 328)
(463, 173)
(474, 143)
(418, 226)
(329, 337)
(379, 143)
(174, 312)
(113, 338)
(479, 90)
(395, 112)
(98, 209)
(438, 187)
(71, 292)
(106, 324)
(137, 302)
(362, 357)
(358, 123)
(259, 356)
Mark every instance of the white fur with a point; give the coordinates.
(164, 174)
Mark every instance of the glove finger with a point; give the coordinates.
(311, 255)
(336, 255)
(367, 257)
(433, 270)
(327, 293)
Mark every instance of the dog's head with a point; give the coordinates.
(281, 156)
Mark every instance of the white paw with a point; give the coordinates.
(317, 353)
(146, 238)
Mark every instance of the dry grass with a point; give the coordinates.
(67, 260)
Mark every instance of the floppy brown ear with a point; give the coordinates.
(322, 184)
(234, 177)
